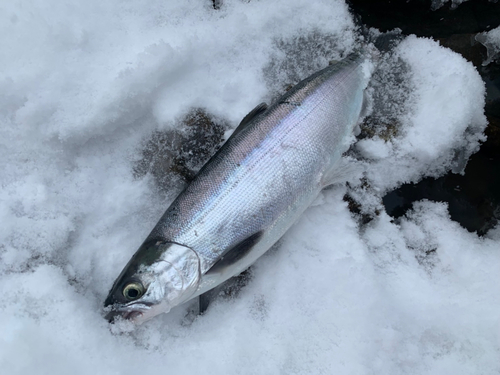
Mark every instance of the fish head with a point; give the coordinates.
(159, 276)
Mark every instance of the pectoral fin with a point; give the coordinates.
(234, 255)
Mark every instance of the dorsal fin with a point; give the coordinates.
(251, 115)
(236, 253)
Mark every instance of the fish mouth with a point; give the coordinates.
(133, 313)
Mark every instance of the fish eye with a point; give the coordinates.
(133, 291)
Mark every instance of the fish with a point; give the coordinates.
(244, 199)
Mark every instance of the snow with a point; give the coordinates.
(82, 85)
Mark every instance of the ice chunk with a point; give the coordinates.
(491, 40)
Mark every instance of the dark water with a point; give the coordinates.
(473, 198)
(417, 17)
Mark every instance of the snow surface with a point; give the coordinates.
(83, 84)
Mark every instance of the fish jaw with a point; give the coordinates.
(137, 313)
(169, 274)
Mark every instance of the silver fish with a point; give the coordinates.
(247, 195)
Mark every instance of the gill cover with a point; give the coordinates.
(176, 274)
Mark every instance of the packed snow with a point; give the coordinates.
(84, 85)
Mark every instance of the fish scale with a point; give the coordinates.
(278, 147)
(250, 192)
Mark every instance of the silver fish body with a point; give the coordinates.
(248, 194)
